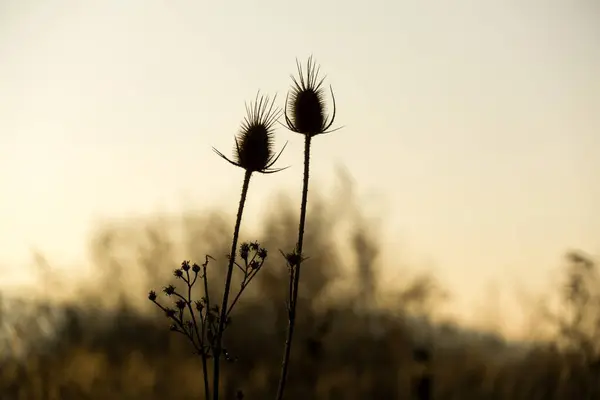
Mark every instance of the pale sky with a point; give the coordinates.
(476, 124)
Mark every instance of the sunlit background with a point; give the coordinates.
(471, 128)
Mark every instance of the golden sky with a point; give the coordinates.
(474, 124)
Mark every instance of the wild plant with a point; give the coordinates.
(306, 114)
(202, 322)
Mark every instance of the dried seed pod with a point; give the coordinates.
(305, 108)
(254, 144)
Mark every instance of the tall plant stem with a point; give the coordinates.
(205, 376)
(221, 328)
(295, 275)
(204, 327)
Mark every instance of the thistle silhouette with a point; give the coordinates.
(306, 103)
(254, 145)
(305, 113)
(254, 153)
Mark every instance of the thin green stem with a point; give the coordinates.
(236, 231)
(295, 276)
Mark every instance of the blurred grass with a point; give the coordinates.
(108, 341)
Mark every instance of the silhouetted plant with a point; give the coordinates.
(305, 113)
(202, 330)
(199, 331)
(253, 152)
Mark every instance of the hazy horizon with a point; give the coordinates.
(470, 129)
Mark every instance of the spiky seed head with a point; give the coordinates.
(305, 109)
(253, 149)
(308, 110)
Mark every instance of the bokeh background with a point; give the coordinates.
(441, 213)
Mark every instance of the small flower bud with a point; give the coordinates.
(196, 268)
(170, 312)
(180, 304)
(178, 273)
(293, 259)
(152, 295)
(262, 253)
(185, 265)
(169, 290)
(244, 249)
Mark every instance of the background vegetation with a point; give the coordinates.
(108, 341)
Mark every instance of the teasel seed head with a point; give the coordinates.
(305, 108)
(253, 149)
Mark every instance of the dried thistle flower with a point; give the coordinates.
(306, 107)
(308, 116)
(254, 144)
(254, 153)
